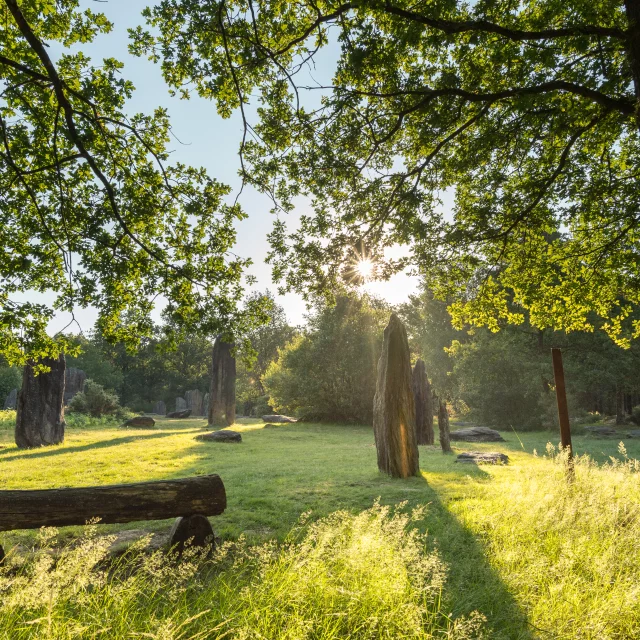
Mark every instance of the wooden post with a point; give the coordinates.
(563, 409)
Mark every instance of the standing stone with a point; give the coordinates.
(222, 394)
(423, 402)
(205, 405)
(74, 380)
(394, 420)
(181, 404)
(443, 426)
(194, 402)
(40, 408)
(160, 408)
(11, 400)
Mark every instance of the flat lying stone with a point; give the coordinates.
(278, 418)
(179, 414)
(483, 457)
(634, 433)
(603, 431)
(476, 434)
(220, 436)
(142, 422)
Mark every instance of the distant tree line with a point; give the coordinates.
(326, 370)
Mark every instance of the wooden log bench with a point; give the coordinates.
(191, 500)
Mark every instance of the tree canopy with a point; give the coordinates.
(526, 113)
(90, 207)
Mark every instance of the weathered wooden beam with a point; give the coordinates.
(156, 500)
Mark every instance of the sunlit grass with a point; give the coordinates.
(363, 576)
(521, 546)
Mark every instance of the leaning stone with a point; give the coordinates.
(220, 436)
(40, 408)
(142, 422)
(278, 418)
(394, 414)
(476, 434)
(11, 400)
(179, 414)
(483, 457)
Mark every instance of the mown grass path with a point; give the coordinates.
(477, 517)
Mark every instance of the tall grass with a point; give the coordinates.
(569, 550)
(345, 576)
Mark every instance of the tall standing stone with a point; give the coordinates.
(11, 400)
(423, 403)
(443, 426)
(205, 405)
(393, 405)
(181, 404)
(160, 408)
(222, 394)
(194, 402)
(74, 380)
(40, 408)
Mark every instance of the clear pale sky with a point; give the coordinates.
(208, 141)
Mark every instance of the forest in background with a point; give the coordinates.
(326, 370)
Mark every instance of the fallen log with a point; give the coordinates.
(156, 500)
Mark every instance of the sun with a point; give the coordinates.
(365, 269)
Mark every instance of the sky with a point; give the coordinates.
(206, 140)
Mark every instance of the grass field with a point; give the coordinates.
(534, 556)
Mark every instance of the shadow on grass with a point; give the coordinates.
(54, 450)
(336, 470)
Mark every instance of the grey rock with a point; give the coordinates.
(179, 414)
(160, 408)
(278, 418)
(483, 457)
(205, 405)
(40, 408)
(634, 433)
(181, 404)
(220, 436)
(394, 414)
(476, 434)
(194, 402)
(74, 380)
(11, 400)
(141, 422)
(604, 432)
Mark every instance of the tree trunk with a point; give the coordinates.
(423, 404)
(632, 8)
(443, 426)
(619, 405)
(40, 408)
(222, 394)
(155, 500)
(394, 421)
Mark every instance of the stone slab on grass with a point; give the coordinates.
(279, 418)
(220, 436)
(483, 457)
(141, 422)
(476, 434)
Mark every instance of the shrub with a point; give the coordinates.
(7, 419)
(329, 372)
(95, 400)
(635, 415)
